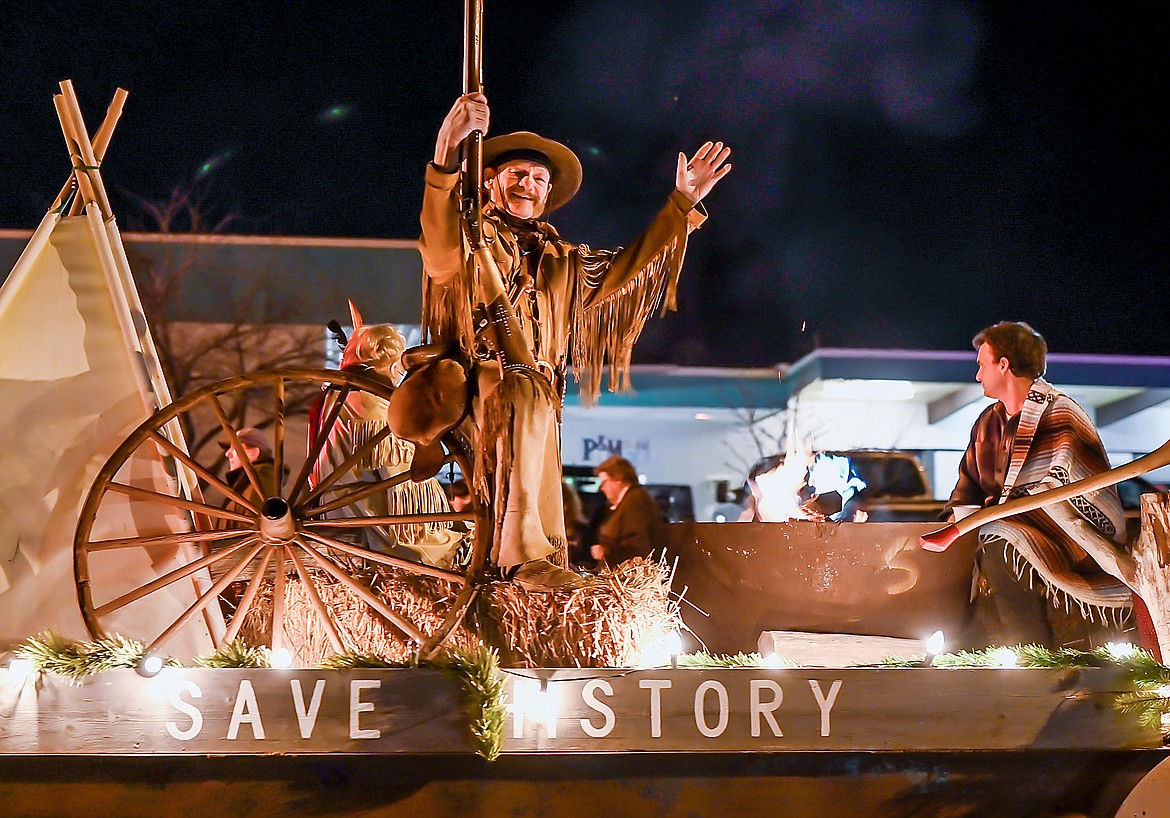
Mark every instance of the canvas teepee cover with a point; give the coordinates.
(78, 372)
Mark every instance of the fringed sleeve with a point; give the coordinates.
(616, 292)
(446, 286)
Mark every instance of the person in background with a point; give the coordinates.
(459, 495)
(575, 526)
(259, 453)
(634, 527)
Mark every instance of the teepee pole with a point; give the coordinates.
(85, 191)
(91, 167)
(137, 341)
(101, 142)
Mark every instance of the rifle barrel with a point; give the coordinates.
(472, 149)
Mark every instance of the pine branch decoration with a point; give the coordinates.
(348, 661)
(77, 660)
(701, 659)
(479, 671)
(237, 653)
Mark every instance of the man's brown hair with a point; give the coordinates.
(618, 468)
(1023, 347)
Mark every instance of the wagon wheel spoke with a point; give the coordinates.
(386, 559)
(278, 601)
(171, 577)
(278, 409)
(179, 502)
(365, 490)
(237, 444)
(430, 646)
(246, 601)
(168, 539)
(364, 592)
(315, 601)
(206, 598)
(352, 460)
(318, 444)
(206, 474)
(390, 519)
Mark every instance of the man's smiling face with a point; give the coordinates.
(521, 187)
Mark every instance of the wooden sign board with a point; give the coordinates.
(242, 711)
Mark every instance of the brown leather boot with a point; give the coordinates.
(544, 577)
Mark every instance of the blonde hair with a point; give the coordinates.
(379, 346)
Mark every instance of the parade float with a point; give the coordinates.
(176, 637)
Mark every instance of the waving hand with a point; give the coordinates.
(696, 177)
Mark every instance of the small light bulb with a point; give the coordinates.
(281, 657)
(19, 670)
(936, 643)
(674, 643)
(774, 659)
(1005, 657)
(1121, 650)
(544, 705)
(149, 665)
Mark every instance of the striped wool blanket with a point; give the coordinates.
(1069, 547)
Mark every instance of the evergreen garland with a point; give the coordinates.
(702, 659)
(237, 653)
(479, 671)
(483, 682)
(77, 660)
(350, 661)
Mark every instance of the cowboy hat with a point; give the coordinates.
(563, 164)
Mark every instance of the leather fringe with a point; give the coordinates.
(410, 497)
(390, 452)
(446, 312)
(608, 330)
(499, 414)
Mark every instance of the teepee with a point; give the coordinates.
(78, 372)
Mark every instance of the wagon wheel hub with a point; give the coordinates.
(277, 526)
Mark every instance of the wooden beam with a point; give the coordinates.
(1110, 413)
(952, 402)
(195, 711)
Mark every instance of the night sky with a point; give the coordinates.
(905, 172)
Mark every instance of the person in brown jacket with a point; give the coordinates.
(564, 296)
(634, 526)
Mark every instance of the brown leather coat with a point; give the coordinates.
(596, 300)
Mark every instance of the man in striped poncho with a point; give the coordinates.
(1031, 439)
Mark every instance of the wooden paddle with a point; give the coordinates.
(941, 540)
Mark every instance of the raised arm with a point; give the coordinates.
(441, 244)
(666, 235)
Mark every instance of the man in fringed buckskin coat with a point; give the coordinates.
(572, 302)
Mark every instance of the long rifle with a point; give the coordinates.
(472, 148)
(509, 338)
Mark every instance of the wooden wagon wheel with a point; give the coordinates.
(239, 538)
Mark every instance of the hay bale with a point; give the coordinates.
(610, 622)
(422, 600)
